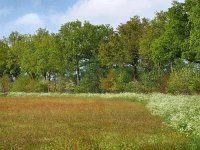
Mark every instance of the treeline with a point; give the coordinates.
(142, 55)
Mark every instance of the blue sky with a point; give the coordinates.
(26, 16)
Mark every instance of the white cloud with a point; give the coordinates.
(105, 11)
(25, 24)
(111, 12)
(29, 19)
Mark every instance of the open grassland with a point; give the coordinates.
(82, 123)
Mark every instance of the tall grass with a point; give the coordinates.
(82, 123)
(180, 112)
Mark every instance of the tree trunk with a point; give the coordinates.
(135, 72)
(78, 76)
(159, 74)
(171, 66)
(55, 85)
(159, 70)
(49, 76)
(48, 79)
(44, 75)
(33, 75)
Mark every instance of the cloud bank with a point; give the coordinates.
(111, 12)
(29, 19)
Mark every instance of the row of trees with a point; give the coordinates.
(142, 55)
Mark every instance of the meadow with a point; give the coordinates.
(99, 121)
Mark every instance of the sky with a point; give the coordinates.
(26, 16)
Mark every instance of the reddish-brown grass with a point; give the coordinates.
(81, 123)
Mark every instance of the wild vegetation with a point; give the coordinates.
(82, 123)
(48, 70)
(141, 55)
(178, 112)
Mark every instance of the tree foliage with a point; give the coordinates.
(141, 55)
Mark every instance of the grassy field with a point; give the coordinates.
(82, 123)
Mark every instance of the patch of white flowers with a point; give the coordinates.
(181, 112)
(131, 96)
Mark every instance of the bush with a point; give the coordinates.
(88, 85)
(27, 84)
(154, 80)
(184, 81)
(116, 80)
(24, 84)
(42, 86)
(194, 83)
(69, 86)
(5, 84)
(62, 84)
(136, 87)
(107, 83)
(90, 78)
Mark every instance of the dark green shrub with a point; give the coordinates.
(153, 80)
(136, 87)
(90, 79)
(42, 86)
(117, 80)
(88, 84)
(194, 83)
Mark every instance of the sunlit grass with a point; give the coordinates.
(82, 123)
